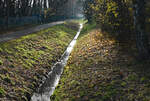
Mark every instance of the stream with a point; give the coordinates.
(49, 84)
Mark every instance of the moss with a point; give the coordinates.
(8, 79)
(132, 77)
(9, 58)
(2, 91)
(144, 79)
(12, 66)
(1, 50)
(123, 84)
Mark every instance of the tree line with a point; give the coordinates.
(28, 7)
(46, 10)
(123, 19)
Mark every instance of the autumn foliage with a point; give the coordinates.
(111, 15)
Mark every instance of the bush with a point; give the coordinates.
(88, 9)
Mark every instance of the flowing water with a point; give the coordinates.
(48, 86)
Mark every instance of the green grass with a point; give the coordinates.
(100, 70)
(25, 60)
(80, 21)
(87, 28)
(2, 92)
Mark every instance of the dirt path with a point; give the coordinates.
(17, 34)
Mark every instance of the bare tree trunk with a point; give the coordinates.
(7, 7)
(139, 23)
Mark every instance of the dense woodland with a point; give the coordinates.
(42, 11)
(14, 8)
(125, 19)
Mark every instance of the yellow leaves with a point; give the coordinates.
(106, 50)
(116, 14)
(112, 8)
(89, 48)
(112, 41)
(91, 85)
(67, 67)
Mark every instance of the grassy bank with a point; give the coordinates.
(99, 69)
(24, 61)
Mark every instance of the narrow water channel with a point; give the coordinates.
(46, 89)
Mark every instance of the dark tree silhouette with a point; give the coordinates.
(139, 23)
(29, 8)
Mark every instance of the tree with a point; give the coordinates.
(139, 23)
(116, 16)
(23, 8)
(88, 10)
